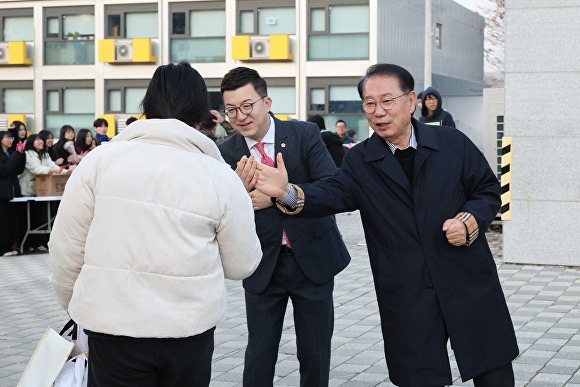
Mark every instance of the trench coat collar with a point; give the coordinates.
(377, 149)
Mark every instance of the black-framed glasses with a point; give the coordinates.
(245, 108)
(386, 103)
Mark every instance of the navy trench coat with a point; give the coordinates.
(427, 289)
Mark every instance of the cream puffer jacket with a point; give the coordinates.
(149, 227)
(35, 165)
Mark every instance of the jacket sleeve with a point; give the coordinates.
(481, 186)
(239, 246)
(69, 233)
(14, 164)
(34, 165)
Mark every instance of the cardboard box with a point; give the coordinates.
(50, 185)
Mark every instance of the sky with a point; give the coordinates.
(472, 5)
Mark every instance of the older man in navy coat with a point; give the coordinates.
(424, 196)
(300, 256)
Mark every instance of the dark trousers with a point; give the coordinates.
(497, 377)
(313, 320)
(8, 226)
(149, 362)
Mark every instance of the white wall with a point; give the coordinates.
(467, 113)
(541, 84)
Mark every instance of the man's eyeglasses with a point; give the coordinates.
(245, 108)
(386, 103)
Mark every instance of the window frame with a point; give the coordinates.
(121, 85)
(255, 5)
(326, 5)
(17, 12)
(60, 86)
(187, 8)
(326, 83)
(283, 82)
(24, 85)
(61, 12)
(122, 10)
(438, 35)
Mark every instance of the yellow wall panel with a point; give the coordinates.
(280, 47)
(143, 51)
(17, 54)
(241, 47)
(107, 50)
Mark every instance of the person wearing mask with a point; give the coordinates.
(432, 112)
(11, 165)
(149, 228)
(426, 195)
(301, 256)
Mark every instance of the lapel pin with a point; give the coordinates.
(283, 145)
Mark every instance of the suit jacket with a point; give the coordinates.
(316, 243)
(410, 256)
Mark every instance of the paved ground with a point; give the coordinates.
(544, 302)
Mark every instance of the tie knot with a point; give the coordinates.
(260, 147)
(265, 158)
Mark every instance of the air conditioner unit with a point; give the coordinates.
(259, 47)
(123, 50)
(4, 53)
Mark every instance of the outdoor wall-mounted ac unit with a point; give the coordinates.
(272, 47)
(14, 53)
(260, 47)
(123, 50)
(138, 50)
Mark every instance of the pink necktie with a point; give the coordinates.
(269, 162)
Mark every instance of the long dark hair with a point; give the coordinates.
(177, 91)
(15, 130)
(59, 146)
(81, 141)
(29, 145)
(45, 134)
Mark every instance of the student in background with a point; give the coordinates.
(101, 127)
(432, 112)
(331, 140)
(65, 147)
(11, 165)
(19, 131)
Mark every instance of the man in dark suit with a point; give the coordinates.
(300, 256)
(426, 196)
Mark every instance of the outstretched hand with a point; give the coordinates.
(246, 170)
(273, 181)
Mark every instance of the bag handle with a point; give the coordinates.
(67, 326)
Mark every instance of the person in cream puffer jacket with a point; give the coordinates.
(149, 227)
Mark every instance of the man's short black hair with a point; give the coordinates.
(99, 122)
(241, 76)
(406, 81)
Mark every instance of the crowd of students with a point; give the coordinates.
(22, 158)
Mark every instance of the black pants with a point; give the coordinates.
(313, 322)
(497, 377)
(149, 362)
(8, 226)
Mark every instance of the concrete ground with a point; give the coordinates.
(544, 304)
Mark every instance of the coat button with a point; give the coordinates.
(429, 287)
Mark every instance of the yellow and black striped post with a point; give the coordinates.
(506, 178)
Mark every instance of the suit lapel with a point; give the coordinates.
(280, 140)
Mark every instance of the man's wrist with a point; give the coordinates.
(472, 229)
(293, 202)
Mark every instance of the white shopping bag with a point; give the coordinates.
(46, 361)
(74, 373)
(75, 333)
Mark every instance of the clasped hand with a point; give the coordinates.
(270, 181)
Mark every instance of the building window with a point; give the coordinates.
(69, 102)
(17, 25)
(337, 99)
(69, 36)
(276, 18)
(16, 97)
(198, 32)
(438, 35)
(128, 22)
(283, 94)
(125, 96)
(332, 34)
